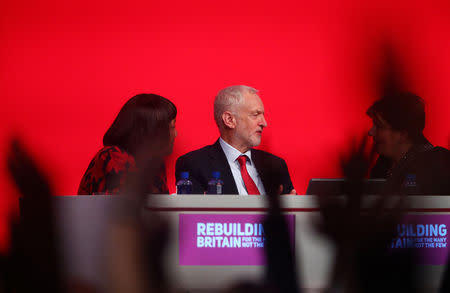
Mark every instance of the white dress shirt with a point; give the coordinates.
(232, 155)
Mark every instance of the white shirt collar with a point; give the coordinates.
(231, 153)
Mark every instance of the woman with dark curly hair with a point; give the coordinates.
(144, 128)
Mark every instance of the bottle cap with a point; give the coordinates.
(184, 175)
(216, 174)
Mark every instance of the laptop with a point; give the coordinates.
(335, 186)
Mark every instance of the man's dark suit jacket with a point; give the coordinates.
(201, 163)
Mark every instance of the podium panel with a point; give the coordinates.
(217, 240)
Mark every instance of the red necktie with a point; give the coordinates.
(248, 181)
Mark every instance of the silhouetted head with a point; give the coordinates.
(239, 114)
(398, 123)
(144, 120)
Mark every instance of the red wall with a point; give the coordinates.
(67, 68)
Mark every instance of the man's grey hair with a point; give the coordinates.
(228, 98)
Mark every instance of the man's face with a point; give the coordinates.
(387, 141)
(250, 121)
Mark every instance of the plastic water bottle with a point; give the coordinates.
(215, 184)
(184, 185)
(410, 184)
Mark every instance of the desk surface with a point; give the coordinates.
(288, 202)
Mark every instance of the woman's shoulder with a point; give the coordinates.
(435, 155)
(441, 151)
(433, 164)
(111, 149)
(109, 163)
(115, 156)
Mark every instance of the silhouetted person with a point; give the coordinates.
(146, 123)
(34, 264)
(362, 235)
(136, 245)
(409, 162)
(445, 286)
(281, 269)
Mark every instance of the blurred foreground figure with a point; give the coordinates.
(445, 287)
(281, 269)
(146, 123)
(137, 239)
(34, 263)
(136, 245)
(362, 232)
(409, 162)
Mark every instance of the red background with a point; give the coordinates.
(66, 68)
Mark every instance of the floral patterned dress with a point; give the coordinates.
(108, 170)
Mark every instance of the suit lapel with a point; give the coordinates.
(257, 160)
(220, 163)
(265, 170)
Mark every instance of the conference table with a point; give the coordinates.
(217, 240)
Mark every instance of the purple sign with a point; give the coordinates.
(427, 234)
(224, 239)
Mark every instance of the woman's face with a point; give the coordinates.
(387, 141)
